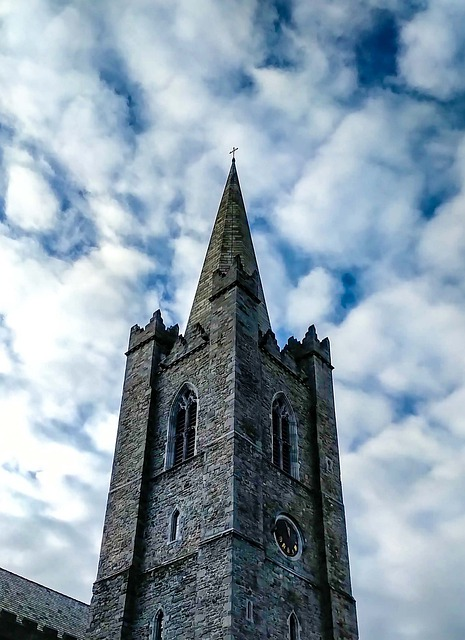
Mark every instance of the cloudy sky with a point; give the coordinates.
(116, 119)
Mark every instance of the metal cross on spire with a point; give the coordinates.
(233, 151)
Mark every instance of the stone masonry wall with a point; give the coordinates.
(109, 601)
(201, 488)
(262, 491)
(343, 614)
(119, 555)
(228, 494)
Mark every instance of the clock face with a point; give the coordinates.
(287, 537)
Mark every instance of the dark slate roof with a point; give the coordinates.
(27, 599)
(230, 238)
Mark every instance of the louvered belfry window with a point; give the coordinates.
(283, 436)
(185, 423)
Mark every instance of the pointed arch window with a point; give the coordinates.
(183, 427)
(157, 627)
(249, 611)
(284, 436)
(293, 627)
(174, 526)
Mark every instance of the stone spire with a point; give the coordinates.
(230, 238)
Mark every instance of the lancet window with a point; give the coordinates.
(174, 526)
(183, 427)
(293, 627)
(157, 627)
(284, 436)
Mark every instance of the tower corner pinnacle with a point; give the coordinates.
(155, 329)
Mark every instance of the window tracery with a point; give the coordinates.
(183, 427)
(284, 436)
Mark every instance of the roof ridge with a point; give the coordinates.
(43, 586)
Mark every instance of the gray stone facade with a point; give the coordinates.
(224, 577)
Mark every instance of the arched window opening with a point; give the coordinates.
(249, 611)
(182, 428)
(293, 627)
(158, 626)
(284, 436)
(174, 526)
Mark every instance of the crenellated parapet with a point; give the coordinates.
(269, 344)
(30, 611)
(154, 330)
(183, 346)
(309, 346)
(295, 352)
(13, 627)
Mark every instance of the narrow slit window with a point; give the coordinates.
(174, 526)
(249, 611)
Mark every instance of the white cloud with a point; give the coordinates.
(30, 202)
(315, 297)
(432, 59)
(331, 214)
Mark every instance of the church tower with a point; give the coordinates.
(225, 518)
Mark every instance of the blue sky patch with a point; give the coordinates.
(350, 294)
(435, 158)
(274, 18)
(135, 205)
(453, 111)
(404, 405)
(298, 264)
(359, 440)
(68, 433)
(114, 74)
(232, 84)
(58, 177)
(73, 236)
(283, 10)
(430, 202)
(376, 50)
(278, 60)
